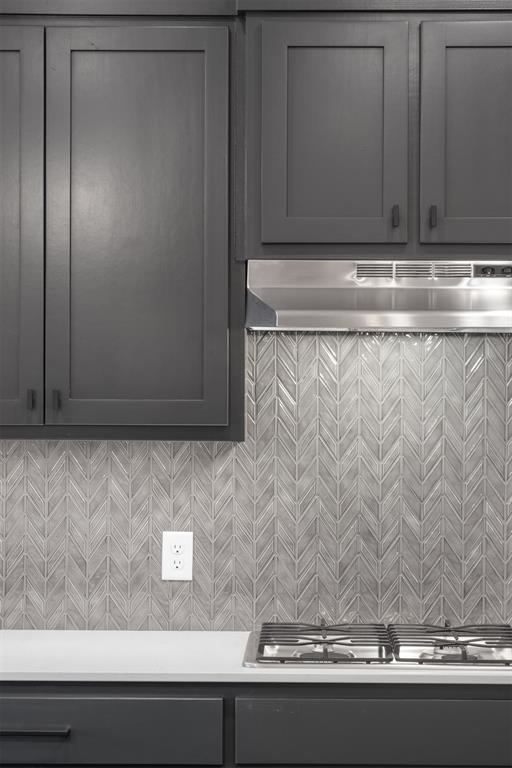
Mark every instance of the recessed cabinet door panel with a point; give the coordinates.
(377, 732)
(137, 242)
(334, 132)
(21, 224)
(110, 730)
(466, 132)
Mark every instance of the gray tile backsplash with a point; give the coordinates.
(375, 483)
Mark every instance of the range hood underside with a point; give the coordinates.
(330, 296)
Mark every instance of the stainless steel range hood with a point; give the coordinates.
(380, 295)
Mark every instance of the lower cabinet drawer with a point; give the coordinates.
(376, 732)
(110, 730)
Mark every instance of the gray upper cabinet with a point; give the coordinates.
(334, 131)
(466, 132)
(137, 302)
(21, 224)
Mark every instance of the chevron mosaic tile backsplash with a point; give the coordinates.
(375, 483)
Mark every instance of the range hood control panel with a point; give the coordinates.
(493, 270)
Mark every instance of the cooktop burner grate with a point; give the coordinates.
(300, 644)
(324, 643)
(468, 644)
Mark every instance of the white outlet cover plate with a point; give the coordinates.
(169, 540)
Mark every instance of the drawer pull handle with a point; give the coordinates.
(56, 400)
(36, 733)
(31, 399)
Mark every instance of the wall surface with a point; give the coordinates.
(375, 483)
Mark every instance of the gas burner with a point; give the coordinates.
(326, 652)
(448, 653)
(323, 644)
(470, 644)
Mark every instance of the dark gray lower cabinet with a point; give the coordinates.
(91, 730)
(137, 301)
(466, 132)
(260, 724)
(298, 731)
(21, 224)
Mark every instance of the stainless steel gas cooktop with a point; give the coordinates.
(307, 644)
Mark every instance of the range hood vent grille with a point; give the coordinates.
(453, 270)
(411, 269)
(414, 269)
(374, 269)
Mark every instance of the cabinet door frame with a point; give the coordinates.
(339, 727)
(213, 408)
(27, 407)
(436, 37)
(277, 37)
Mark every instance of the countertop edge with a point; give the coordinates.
(258, 677)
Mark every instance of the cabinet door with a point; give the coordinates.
(110, 730)
(378, 732)
(137, 240)
(21, 224)
(466, 132)
(334, 132)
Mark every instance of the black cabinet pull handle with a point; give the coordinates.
(432, 216)
(395, 216)
(36, 733)
(31, 399)
(56, 400)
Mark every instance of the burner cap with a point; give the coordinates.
(456, 657)
(329, 655)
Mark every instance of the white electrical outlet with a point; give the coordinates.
(177, 555)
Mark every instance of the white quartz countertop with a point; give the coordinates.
(208, 657)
